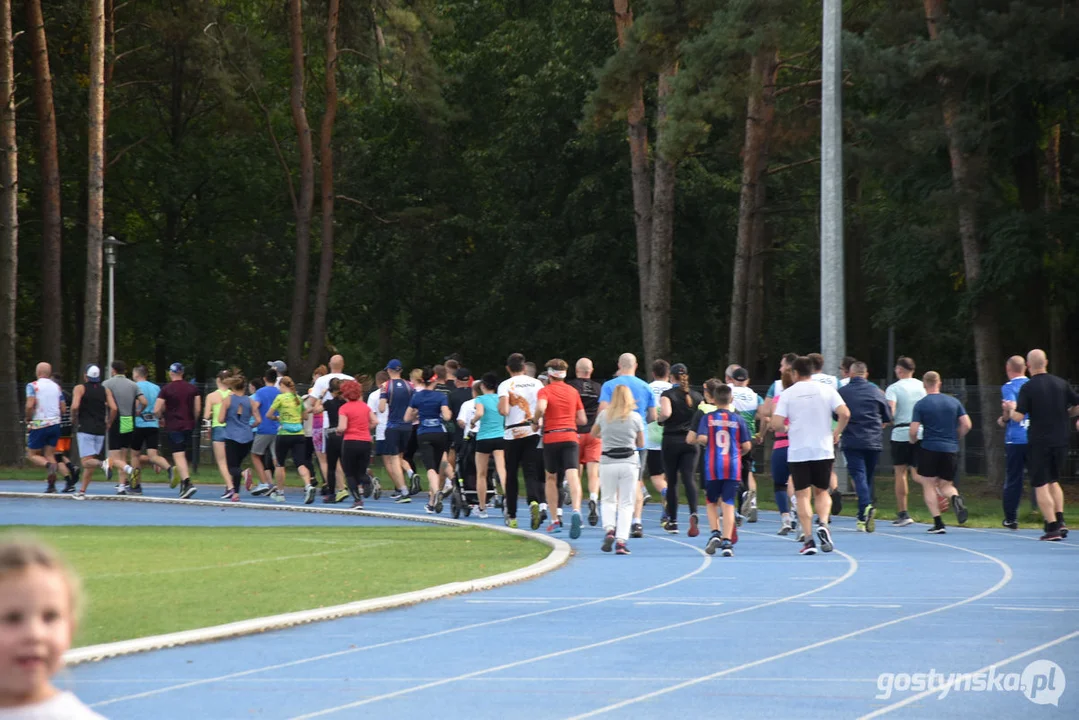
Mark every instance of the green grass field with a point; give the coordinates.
(142, 581)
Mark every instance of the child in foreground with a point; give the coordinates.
(38, 609)
(725, 435)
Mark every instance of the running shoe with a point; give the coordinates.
(670, 526)
(414, 486)
(261, 489)
(1009, 524)
(187, 490)
(135, 489)
(429, 508)
(902, 519)
(713, 543)
(694, 530)
(726, 549)
(808, 548)
(482, 514)
(608, 541)
(636, 530)
(108, 472)
(121, 489)
(960, 509)
(80, 495)
(534, 511)
(135, 481)
(327, 500)
(368, 488)
(870, 519)
(801, 537)
(620, 548)
(247, 475)
(575, 525)
(543, 515)
(554, 528)
(173, 480)
(647, 497)
(395, 494)
(937, 530)
(859, 526)
(357, 504)
(786, 528)
(749, 505)
(50, 488)
(593, 514)
(739, 518)
(277, 496)
(309, 494)
(69, 486)
(226, 495)
(1063, 530)
(825, 538)
(235, 497)
(511, 522)
(438, 504)
(734, 536)
(1052, 536)
(403, 498)
(342, 495)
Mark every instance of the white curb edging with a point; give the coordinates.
(559, 555)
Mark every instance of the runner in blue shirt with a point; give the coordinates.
(1015, 441)
(646, 408)
(394, 399)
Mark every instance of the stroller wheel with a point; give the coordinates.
(498, 501)
(468, 510)
(455, 506)
(368, 488)
(377, 492)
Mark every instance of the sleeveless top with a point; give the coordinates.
(221, 394)
(92, 409)
(238, 420)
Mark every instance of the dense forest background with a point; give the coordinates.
(563, 177)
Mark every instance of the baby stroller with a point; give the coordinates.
(464, 497)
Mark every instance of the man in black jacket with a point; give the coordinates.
(869, 414)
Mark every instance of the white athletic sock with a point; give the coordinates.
(543, 506)
(637, 520)
(594, 497)
(128, 469)
(559, 512)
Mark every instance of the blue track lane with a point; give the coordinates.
(766, 634)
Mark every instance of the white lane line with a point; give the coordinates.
(561, 678)
(823, 643)
(240, 563)
(508, 602)
(676, 602)
(1000, 663)
(401, 641)
(1037, 609)
(851, 570)
(853, 605)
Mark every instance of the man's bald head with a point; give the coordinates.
(1017, 365)
(584, 368)
(43, 370)
(1037, 360)
(627, 363)
(337, 364)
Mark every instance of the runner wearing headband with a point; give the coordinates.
(559, 407)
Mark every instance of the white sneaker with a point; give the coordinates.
(80, 495)
(482, 514)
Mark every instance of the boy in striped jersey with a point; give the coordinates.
(726, 437)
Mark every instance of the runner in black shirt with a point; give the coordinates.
(459, 395)
(1047, 401)
(589, 445)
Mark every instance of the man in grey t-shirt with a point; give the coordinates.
(129, 403)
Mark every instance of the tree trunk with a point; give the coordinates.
(51, 307)
(1058, 311)
(11, 441)
(967, 171)
(639, 172)
(755, 296)
(91, 341)
(760, 118)
(325, 271)
(657, 321)
(306, 201)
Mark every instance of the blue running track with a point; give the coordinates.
(668, 630)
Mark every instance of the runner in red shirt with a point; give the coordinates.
(560, 407)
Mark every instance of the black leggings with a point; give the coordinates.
(355, 456)
(680, 459)
(333, 454)
(523, 453)
(235, 452)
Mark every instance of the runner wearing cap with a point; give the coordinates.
(394, 398)
(460, 393)
(559, 408)
(430, 407)
(45, 409)
(517, 399)
(279, 367)
(747, 404)
(179, 403)
(677, 408)
(93, 410)
(590, 446)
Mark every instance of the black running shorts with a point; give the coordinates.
(905, 453)
(811, 473)
(933, 464)
(1045, 464)
(561, 456)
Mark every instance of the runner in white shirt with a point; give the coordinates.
(379, 431)
(816, 362)
(808, 406)
(321, 388)
(653, 439)
(902, 396)
(45, 408)
(746, 403)
(517, 398)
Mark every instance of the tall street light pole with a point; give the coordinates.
(832, 301)
(111, 244)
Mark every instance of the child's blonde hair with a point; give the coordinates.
(19, 553)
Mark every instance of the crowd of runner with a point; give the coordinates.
(558, 433)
